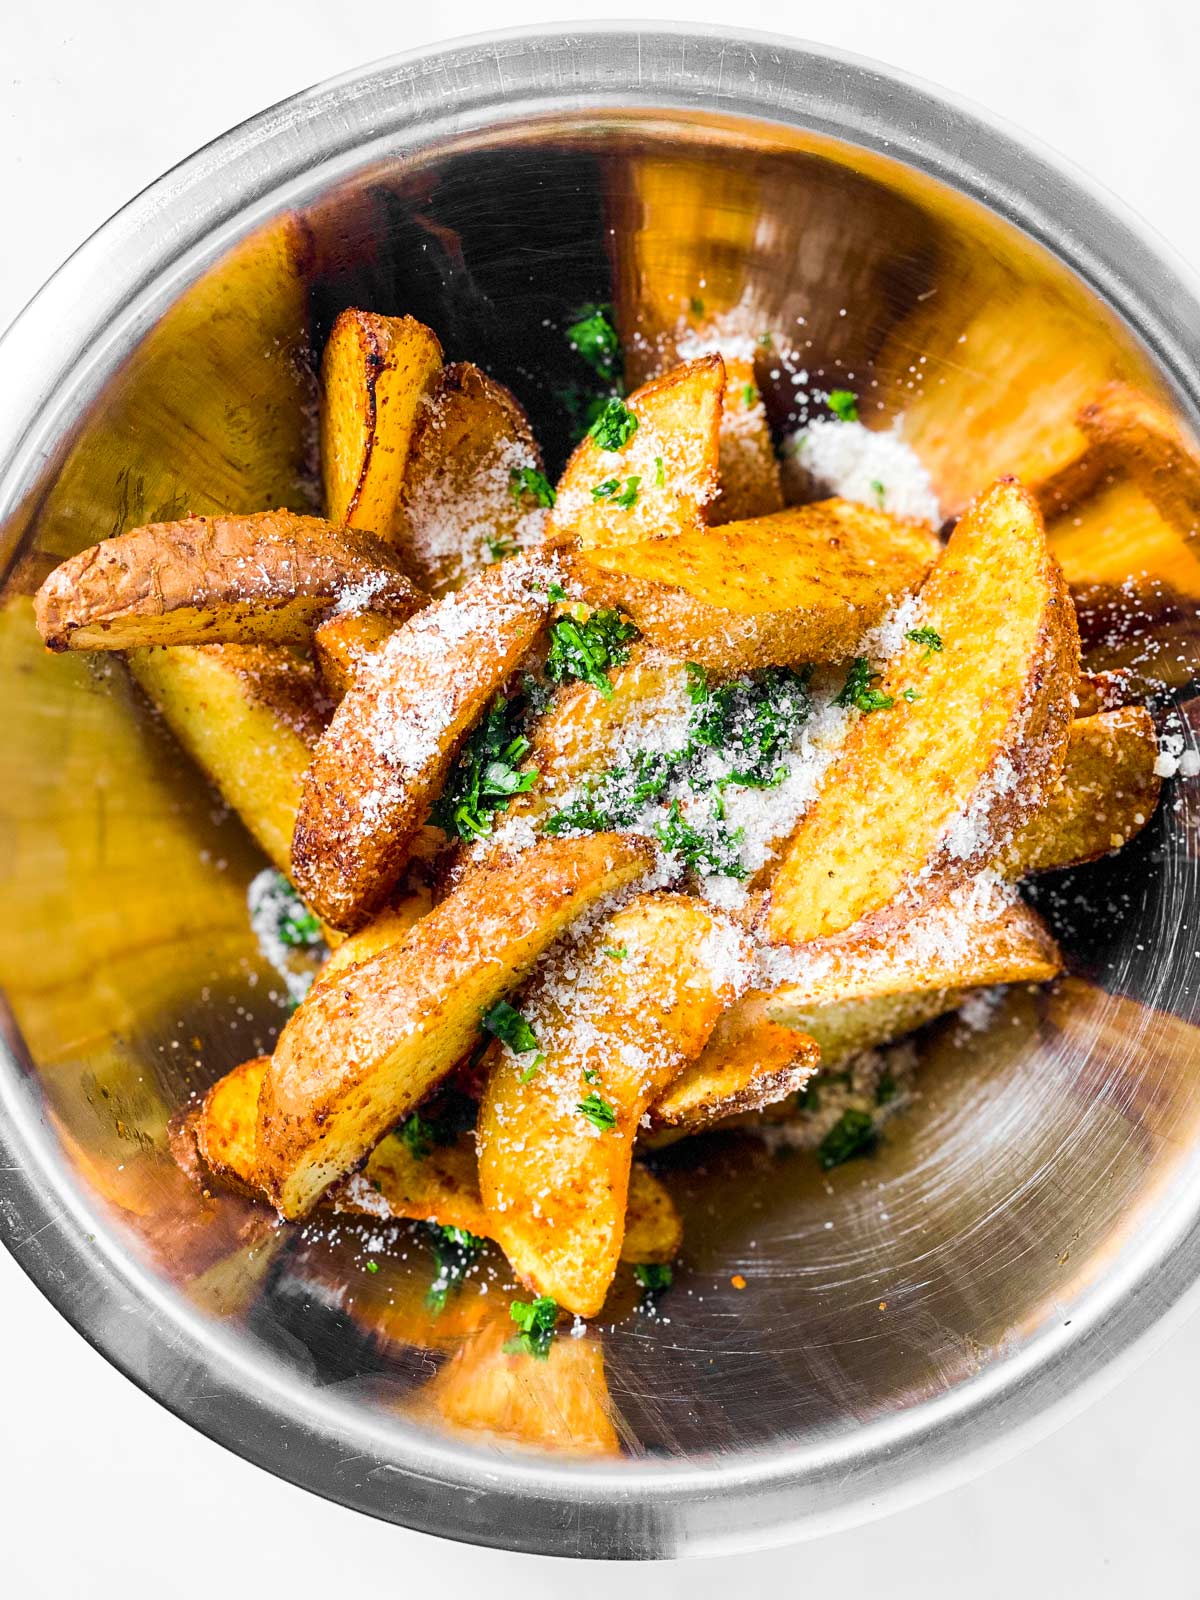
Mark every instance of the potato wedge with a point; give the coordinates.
(227, 1124)
(857, 992)
(749, 468)
(443, 1187)
(662, 478)
(250, 716)
(376, 374)
(344, 643)
(750, 1061)
(384, 758)
(800, 586)
(460, 505)
(1140, 435)
(266, 578)
(1117, 535)
(386, 927)
(927, 791)
(360, 1053)
(1101, 691)
(1106, 793)
(560, 1404)
(616, 1019)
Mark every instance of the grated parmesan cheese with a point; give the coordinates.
(875, 468)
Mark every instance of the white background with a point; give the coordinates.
(102, 1493)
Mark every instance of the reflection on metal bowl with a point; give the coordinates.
(1033, 1212)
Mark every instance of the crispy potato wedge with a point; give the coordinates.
(385, 928)
(443, 1187)
(360, 1053)
(856, 992)
(376, 374)
(1140, 435)
(750, 1061)
(266, 578)
(384, 758)
(616, 1020)
(559, 1404)
(751, 485)
(1106, 793)
(1117, 535)
(250, 716)
(344, 643)
(226, 1126)
(460, 506)
(928, 791)
(673, 456)
(799, 586)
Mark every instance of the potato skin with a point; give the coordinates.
(928, 791)
(751, 484)
(366, 1047)
(264, 578)
(751, 1061)
(384, 758)
(343, 644)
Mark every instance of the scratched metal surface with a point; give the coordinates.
(1027, 1220)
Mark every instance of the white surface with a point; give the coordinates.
(102, 1493)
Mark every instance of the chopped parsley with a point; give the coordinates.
(594, 337)
(697, 306)
(660, 473)
(499, 548)
(765, 340)
(879, 490)
(910, 695)
(300, 927)
(626, 498)
(486, 775)
(418, 1136)
(454, 1251)
(654, 1275)
(372, 1266)
(617, 952)
(886, 1089)
(556, 593)
(506, 1023)
(586, 649)
(599, 1112)
(857, 690)
(528, 480)
(590, 1075)
(929, 637)
(615, 426)
(844, 404)
(535, 1319)
(711, 851)
(749, 395)
(853, 1134)
(273, 898)
(529, 1073)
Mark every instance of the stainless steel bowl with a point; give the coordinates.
(1034, 1215)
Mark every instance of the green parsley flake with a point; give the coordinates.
(697, 306)
(531, 1071)
(910, 695)
(556, 593)
(598, 1111)
(528, 480)
(498, 549)
(879, 491)
(594, 337)
(660, 473)
(372, 1266)
(586, 649)
(857, 691)
(294, 924)
(615, 426)
(886, 1089)
(418, 1136)
(749, 395)
(535, 1319)
(626, 499)
(654, 1275)
(486, 775)
(606, 490)
(844, 404)
(711, 851)
(506, 1023)
(590, 1075)
(454, 1252)
(617, 952)
(853, 1134)
(765, 340)
(929, 637)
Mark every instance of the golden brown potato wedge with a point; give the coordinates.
(1106, 793)
(462, 503)
(662, 478)
(1117, 535)
(226, 1126)
(443, 1186)
(363, 1051)
(386, 927)
(250, 716)
(384, 758)
(1140, 435)
(854, 993)
(266, 578)
(749, 468)
(750, 1061)
(929, 789)
(615, 1019)
(376, 374)
(344, 643)
(800, 586)
(558, 1403)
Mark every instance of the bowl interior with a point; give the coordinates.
(1044, 1139)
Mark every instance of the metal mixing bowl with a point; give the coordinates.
(1025, 1223)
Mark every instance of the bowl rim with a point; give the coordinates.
(53, 359)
